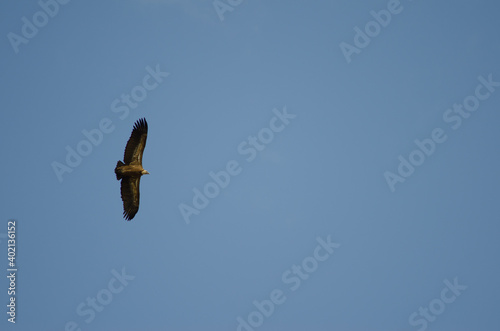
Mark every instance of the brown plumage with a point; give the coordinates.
(131, 170)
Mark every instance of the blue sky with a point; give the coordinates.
(370, 201)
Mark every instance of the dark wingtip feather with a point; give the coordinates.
(141, 124)
(127, 216)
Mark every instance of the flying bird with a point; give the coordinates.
(131, 170)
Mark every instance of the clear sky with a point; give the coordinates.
(315, 165)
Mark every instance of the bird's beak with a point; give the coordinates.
(146, 172)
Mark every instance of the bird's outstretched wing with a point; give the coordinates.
(130, 196)
(136, 143)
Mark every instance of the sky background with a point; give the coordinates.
(321, 176)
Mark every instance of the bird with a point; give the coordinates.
(130, 170)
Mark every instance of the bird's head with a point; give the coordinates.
(145, 172)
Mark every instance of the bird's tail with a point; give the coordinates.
(118, 174)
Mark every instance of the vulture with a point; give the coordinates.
(131, 170)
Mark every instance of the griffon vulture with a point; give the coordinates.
(131, 170)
